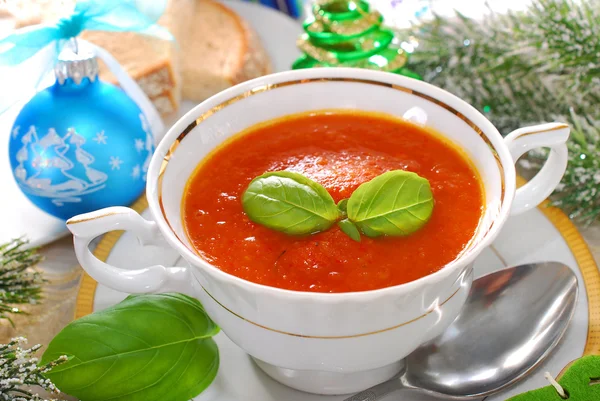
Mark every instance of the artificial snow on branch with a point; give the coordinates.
(525, 68)
(20, 373)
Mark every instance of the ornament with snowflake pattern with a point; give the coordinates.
(80, 144)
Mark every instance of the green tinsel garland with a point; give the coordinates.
(525, 68)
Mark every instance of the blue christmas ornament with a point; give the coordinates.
(81, 144)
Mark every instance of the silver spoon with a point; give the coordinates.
(511, 321)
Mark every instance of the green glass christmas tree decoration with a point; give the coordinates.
(348, 33)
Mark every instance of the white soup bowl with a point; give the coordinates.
(318, 342)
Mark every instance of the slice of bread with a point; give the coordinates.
(214, 49)
(222, 51)
(151, 62)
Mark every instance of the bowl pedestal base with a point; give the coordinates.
(330, 383)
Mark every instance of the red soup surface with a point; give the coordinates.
(340, 150)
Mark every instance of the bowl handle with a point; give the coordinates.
(521, 141)
(86, 227)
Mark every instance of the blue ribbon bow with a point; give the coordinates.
(96, 15)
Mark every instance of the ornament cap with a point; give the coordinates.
(76, 62)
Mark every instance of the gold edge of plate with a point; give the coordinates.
(84, 304)
(587, 266)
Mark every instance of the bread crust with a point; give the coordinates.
(252, 61)
(255, 62)
(244, 48)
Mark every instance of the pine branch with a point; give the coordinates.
(19, 283)
(19, 371)
(525, 68)
(568, 33)
(464, 57)
(578, 193)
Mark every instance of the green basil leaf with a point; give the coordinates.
(395, 203)
(147, 348)
(289, 202)
(350, 229)
(343, 206)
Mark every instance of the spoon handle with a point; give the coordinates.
(377, 391)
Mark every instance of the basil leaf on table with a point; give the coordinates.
(289, 202)
(148, 347)
(395, 203)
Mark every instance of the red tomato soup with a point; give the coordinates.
(340, 150)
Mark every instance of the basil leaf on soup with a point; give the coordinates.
(148, 347)
(289, 202)
(395, 203)
(350, 229)
(342, 206)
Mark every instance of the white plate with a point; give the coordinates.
(539, 235)
(20, 217)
